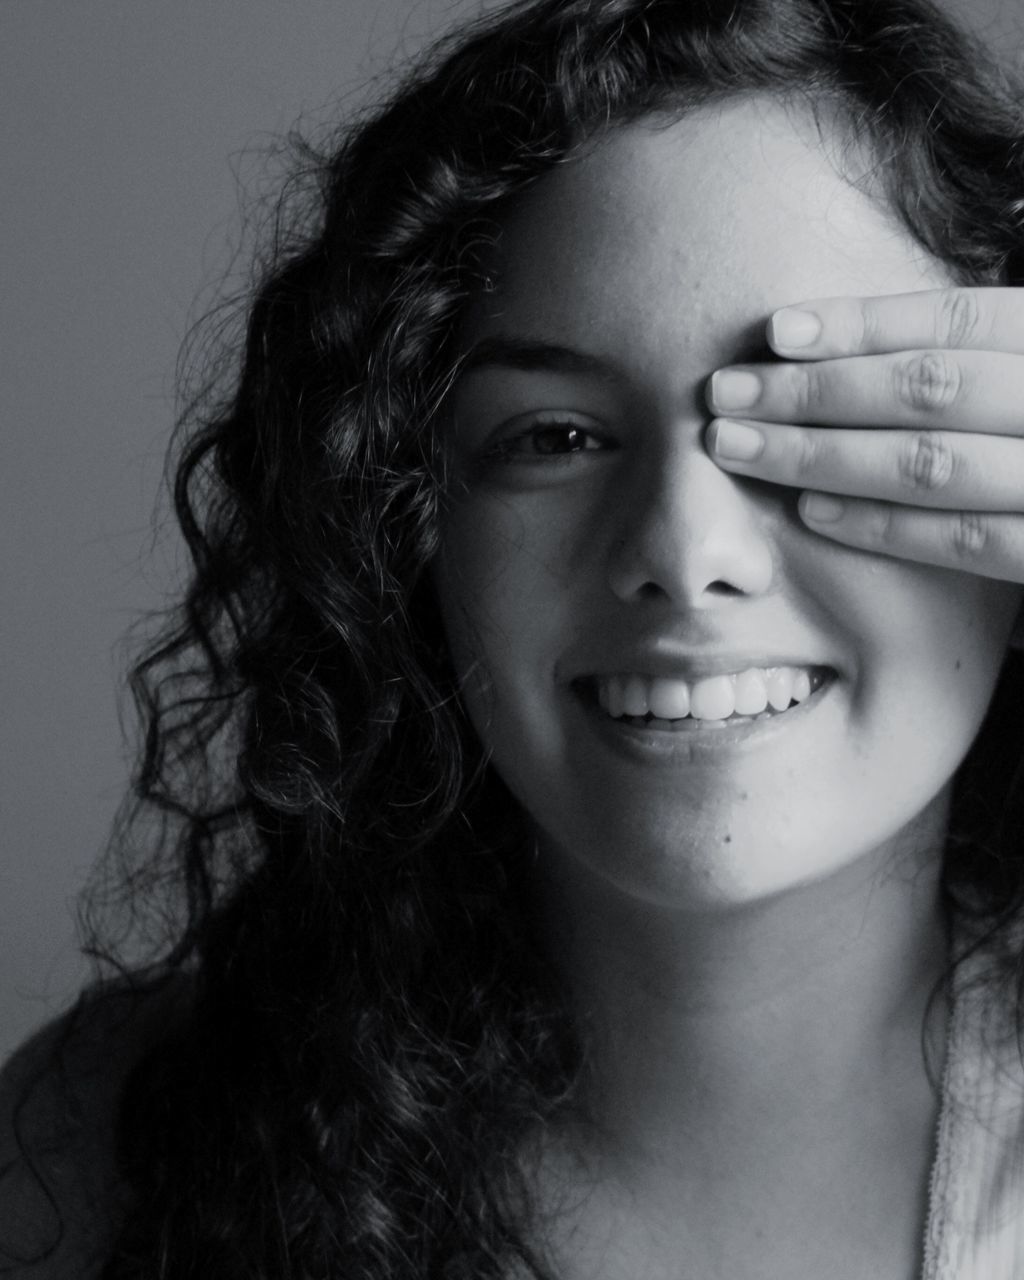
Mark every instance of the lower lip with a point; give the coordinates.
(700, 739)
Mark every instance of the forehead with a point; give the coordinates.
(691, 231)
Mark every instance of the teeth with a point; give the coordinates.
(801, 686)
(711, 700)
(751, 693)
(780, 687)
(669, 699)
(634, 696)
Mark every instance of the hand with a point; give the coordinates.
(918, 403)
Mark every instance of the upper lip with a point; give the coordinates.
(675, 664)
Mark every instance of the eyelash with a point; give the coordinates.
(509, 450)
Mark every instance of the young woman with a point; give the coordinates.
(589, 750)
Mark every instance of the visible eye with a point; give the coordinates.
(551, 439)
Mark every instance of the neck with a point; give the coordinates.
(782, 1014)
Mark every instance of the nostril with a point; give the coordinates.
(683, 552)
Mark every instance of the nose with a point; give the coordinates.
(688, 533)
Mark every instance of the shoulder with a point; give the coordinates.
(60, 1197)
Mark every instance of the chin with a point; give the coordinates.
(731, 865)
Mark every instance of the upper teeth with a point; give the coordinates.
(745, 693)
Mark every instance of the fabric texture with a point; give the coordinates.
(975, 1224)
(57, 1190)
(60, 1197)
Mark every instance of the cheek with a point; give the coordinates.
(503, 575)
(990, 612)
(513, 593)
(486, 584)
(935, 646)
(965, 622)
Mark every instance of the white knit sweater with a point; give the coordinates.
(975, 1225)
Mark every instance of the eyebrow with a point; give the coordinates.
(533, 355)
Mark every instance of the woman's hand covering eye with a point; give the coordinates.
(902, 418)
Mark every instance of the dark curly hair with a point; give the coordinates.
(371, 1030)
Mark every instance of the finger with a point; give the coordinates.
(980, 319)
(941, 469)
(963, 391)
(985, 544)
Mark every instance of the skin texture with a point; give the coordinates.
(942, 372)
(661, 257)
(749, 931)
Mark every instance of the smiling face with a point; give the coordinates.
(593, 552)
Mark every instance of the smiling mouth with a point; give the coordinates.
(715, 702)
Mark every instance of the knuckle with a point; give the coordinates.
(968, 535)
(879, 526)
(865, 326)
(958, 318)
(926, 461)
(807, 456)
(805, 390)
(927, 381)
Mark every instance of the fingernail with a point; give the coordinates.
(735, 440)
(733, 389)
(821, 508)
(793, 328)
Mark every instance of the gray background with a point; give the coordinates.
(129, 129)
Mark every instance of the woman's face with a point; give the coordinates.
(596, 561)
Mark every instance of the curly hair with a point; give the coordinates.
(372, 1031)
